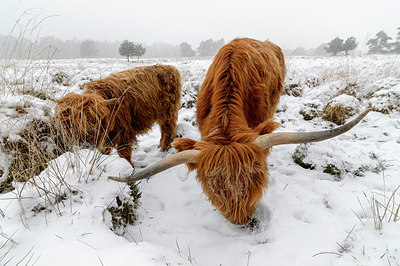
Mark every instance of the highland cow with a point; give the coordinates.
(235, 109)
(112, 111)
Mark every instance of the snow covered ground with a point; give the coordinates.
(342, 210)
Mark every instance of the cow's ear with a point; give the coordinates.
(267, 127)
(183, 144)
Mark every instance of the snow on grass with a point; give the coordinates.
(339, 213)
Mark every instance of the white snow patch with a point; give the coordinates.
(306, 217)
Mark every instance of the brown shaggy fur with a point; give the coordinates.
(236, 104)
(145, 95)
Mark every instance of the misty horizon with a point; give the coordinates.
(57, 48)
(289, 24)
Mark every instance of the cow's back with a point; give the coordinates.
(241, 88)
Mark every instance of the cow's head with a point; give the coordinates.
(85, 118)
(233, 176)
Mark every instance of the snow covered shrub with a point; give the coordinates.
(43, 95)
(299, 156)
(295, 84)
(333, 170)
(124, 213)
(340, 108)
(61, 78)
(386, 100)
(293, 89)
(191, 82)
(189, 94)
(85, 76)
(361, 170)
(351, 89)
(313, 81)
(311, 110)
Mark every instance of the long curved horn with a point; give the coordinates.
(268, 140)
(110, 101)
(189, 156)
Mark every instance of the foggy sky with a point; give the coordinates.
(306, 23)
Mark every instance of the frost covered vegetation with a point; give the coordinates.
(329, 203)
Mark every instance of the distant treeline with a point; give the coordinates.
(55, 48)
(12, 47)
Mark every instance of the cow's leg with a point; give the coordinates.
(125, 151)
(168, 130)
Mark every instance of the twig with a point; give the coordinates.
(25, 256)
(58, 236)
(358, 217)
(86, 243)
(350, 232)
(190, 259)
(126, 231)
(327, 253)
(100, 260)
(177, 245)
(248, 257)
(342, 249)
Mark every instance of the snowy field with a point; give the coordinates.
(338, 206)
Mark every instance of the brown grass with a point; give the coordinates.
(336, 113)
(28, 155)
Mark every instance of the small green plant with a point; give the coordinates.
(135, 194)
(253, 225)
(125, 212)
(300, 155)
(361, 170)
(381, 165)
(333, 170)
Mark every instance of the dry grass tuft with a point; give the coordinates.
(385, 209)
(38, 94)
(29, 154)
(340, 108)
(336, 113)
(293, 90)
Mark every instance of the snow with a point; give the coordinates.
(347, 101)
(306, 217)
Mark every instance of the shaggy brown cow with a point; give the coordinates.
(112, 111)
(235, 107)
